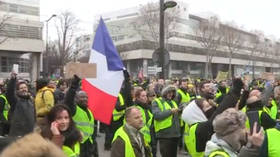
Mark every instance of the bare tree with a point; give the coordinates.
(232, 39)
(66, 26)
(147, 23)
(209, 36)
(3, 27)
(255, 46)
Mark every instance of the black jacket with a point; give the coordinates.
(205, 130)
(22, 112)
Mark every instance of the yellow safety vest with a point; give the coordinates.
(129, 152)
(83, 123)
(273, 111)
(273, 138)
(167, 122)
(219, 153)
(145, 130)
(70, 152)
(118, 114)
(190, 140)
(6, 106)
(185, 97)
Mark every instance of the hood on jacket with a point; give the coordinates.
(167, 89)
(193, 114)
(218, 144)
(32, 145)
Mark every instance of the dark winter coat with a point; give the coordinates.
(22, 112)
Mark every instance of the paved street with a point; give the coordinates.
(102, 153)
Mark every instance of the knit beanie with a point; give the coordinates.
(229, 121)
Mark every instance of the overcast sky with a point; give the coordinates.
(251, 14)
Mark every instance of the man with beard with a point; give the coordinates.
(201, 130)
(182, 99)
(196, 116)
(77, 101)
(255, 107)
(142, 104)
(22, 111)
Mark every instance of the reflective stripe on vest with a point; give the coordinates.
(219, 153)
(118, 114)
(70, 152)
(83, 123)
(6, 106)
(273, 137)
(190, 140)
(129, 152)
(145, 130)
(247, 123)
(167, 122)
(185, 97)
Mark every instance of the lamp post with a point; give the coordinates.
(163, 7)
(47, 41)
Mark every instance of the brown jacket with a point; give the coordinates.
(118, 147)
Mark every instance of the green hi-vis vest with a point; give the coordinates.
(167, 122)
(273, 137)
(118, 114)
(190, 140)
(6, 106)
(145, 130)
(247, 123)
(218, 153)
(70, 152)
(185, 97)
(273, 111)
(83, 123)
(129, 152)
(218, 94)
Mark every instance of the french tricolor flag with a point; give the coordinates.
(104, 89)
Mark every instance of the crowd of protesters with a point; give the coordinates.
(227, 118)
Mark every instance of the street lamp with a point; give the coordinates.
(163, 7)
(47, 41)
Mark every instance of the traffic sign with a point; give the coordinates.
(157, 54)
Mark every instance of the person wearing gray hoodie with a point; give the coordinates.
(231, 139)
(166, 121)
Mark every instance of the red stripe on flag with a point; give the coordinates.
(100, 103)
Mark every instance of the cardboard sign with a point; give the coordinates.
(221, 76)
(268, 76)
(83, 70)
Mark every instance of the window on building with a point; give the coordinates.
(17, 31)
(8, 62)
(15, 8)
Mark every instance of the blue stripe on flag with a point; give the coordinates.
(104, 45)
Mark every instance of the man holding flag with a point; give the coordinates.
(99, 94)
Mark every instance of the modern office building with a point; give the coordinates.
(22, 32)
(187, 55)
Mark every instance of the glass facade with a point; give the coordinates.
(18, 31)
(15, 8)
(7, 64)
